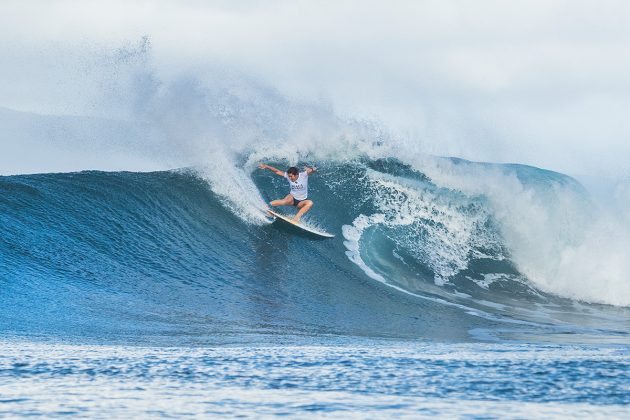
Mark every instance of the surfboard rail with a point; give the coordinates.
(309, 229)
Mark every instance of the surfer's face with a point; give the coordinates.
(293, 177)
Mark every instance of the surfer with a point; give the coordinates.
(299, 189)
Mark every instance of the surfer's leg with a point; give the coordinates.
(304, 206)
(286, 201)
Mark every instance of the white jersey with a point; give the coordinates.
(299, 188)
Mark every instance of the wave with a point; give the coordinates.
(127, 255)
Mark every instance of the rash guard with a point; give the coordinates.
(299, 188)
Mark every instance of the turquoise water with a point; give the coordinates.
(149, 294)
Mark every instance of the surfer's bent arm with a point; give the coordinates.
(271, 168)
(310, 169)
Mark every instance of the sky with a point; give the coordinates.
(545, 83)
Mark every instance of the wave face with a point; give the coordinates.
(164, 256)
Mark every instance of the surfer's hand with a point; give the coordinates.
(262, 166)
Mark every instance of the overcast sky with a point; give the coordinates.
(538, 82)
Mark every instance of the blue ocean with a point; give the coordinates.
(150, 294)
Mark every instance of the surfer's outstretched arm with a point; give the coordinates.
(271, 168)
(310, 169)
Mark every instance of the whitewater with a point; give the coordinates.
(479, 266)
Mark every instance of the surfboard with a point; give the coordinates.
(284, 219)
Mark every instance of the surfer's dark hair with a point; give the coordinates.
(293, 170)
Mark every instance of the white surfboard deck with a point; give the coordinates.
(301, 226)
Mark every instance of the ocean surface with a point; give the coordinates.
(451, 289)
